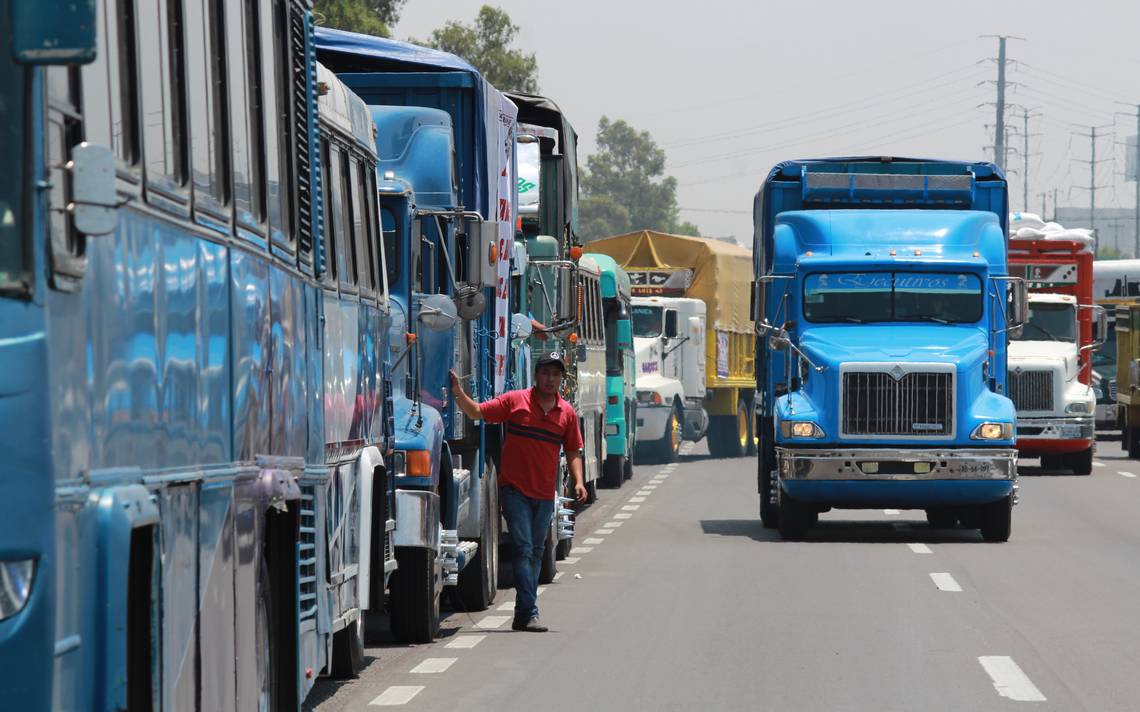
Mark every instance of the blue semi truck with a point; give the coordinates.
(882, 306)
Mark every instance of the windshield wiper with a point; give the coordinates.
(928, 317)
(852, 319)
(1045, 331)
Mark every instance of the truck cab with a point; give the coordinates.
(883, 302)
(1055, 409)
(669, 347)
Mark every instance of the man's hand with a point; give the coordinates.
(580, 492)
(455, 387)
(538, 329)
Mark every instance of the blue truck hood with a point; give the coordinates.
(834, 344)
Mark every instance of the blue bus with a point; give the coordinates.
(195, 509)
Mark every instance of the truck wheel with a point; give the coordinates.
(669, 446)
(348, 650)
(627, 467)
(997, 519)
(267, 646)
(941, 518)
(753, 435)
(1052, 462)
(549, 568)
(613, 471)
(413, 600)
(795, 518)
(769, 510)
(1131, 438)
(478, 581)
(743, 430)
(1080, 462)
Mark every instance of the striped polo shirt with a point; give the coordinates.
(534, 438)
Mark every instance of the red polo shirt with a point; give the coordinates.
(530, 452)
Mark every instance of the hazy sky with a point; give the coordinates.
(730, 88)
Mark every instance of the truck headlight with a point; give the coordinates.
(800, 429)
(649, 398)
(16, 579)
(1079, 407)
(993, 431)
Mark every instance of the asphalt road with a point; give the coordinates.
(688, 603)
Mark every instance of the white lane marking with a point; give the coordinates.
(1122, 473)
(1009, 680)
(622, 515)
(1098, 463)
(630, 507)
(649, 486)
(603, 531)
(920, 548)
(570, 560)
(581, 550)
(396, 695)
(491, 622)
(593, 541)
(432, 665)
(466, 641)
(557, 575)
(613, 525)
(891, 511)
(636, 499)
(644, 493)
(945, 582)
(508, 606)
(539, 591)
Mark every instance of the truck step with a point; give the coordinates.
(449, 556)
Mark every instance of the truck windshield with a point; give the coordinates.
(1049, 322)
(860, 297)
(646, 322)
(13, 265)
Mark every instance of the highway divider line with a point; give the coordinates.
(396, 695)
(920, 548)
(613, 525)
(467, 641)
(581, 550)
(623, 515)
(1009, 679)
(603, 531)
(1129, 475)
(1098, 463)
(570, 560)
(593, 541)
(491, 622)
(636, 499)
(945, 582)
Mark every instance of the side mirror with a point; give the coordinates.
(52, 32)
(670, 323)
(756, 308)
(1018, 306)
(1100, 325)
(94, 206)
(437, 312)
(469, 302)
(521, 328)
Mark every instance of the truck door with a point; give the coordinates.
(672, 357)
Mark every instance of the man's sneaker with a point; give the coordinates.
(531, 626)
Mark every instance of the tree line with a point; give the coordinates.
(624, 186)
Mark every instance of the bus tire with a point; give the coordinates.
(613, 471)
(267, 647)
(413, 600)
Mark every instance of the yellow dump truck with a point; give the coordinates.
(693, 341)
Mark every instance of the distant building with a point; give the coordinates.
(1115, 227)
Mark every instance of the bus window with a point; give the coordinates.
(205, 62)
(391, 236)
(14, 272)
(161, 87)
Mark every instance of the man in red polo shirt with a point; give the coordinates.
(540, 424)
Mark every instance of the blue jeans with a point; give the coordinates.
(527, 521)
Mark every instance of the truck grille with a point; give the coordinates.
(915, 404)
(1031, 390)
(1112, 389)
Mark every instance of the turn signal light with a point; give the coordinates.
(613, 400)
(573, 337)
(493, 254)
(418, 463)
(576, 252)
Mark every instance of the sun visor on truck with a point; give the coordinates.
(870, 189)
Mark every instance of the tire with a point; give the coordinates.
(348, 650)
(1052, 463)
(970, 517)
(669, 446)
(769, 510)
(613, 471)
(753, 436)
(795, 518)
(997, 519)
(1080, 462)
(627, 467)
(1131, 441)
(413, 601)
(267, 643)
(940, 518)
(478, 581)
(549, 566)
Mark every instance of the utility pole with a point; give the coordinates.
(1092, 186)
(1054, 206)
(1025, 116)
(999, 127)
(1042, 196)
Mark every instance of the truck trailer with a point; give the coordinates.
(693, 341)
(883, 303)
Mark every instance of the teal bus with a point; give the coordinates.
(621, 370)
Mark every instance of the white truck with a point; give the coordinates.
(1054, 408)
(669, 345)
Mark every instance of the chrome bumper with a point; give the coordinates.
(897, 464)
(1073, 428)
(417, 519)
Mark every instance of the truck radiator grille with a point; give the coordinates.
(916, 404)
(1031, 390)
(1112, 389)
